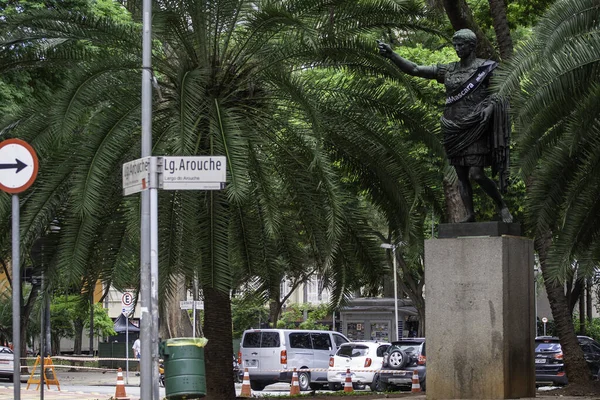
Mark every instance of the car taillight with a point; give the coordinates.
(558, 356)
(367, 362)
(331, 361)
(283, 357)
(422, 359)
(240, 357)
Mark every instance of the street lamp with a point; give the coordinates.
(393, 247)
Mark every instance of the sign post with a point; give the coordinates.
(145, 175)
(18, 170)
(545, 321)
(126, 307)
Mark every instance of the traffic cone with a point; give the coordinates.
(246, 385)
(295, 388)
(348, 383)
(416, 386)
(120, 390)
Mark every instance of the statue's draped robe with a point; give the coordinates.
(467, 140)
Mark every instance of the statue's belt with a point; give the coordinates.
(472, 83)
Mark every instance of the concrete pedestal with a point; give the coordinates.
(479, 307)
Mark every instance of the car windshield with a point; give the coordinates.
(353, 351)
(547, 347)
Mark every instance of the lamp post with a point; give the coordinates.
(393, 247)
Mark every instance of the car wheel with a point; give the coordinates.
(304, 381)
(334, 386)
(397, 359)
(377, 385)
(254, 385)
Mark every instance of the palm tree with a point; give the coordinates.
(558, 126)
(231, 78)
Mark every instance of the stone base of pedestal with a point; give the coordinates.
(479, 306)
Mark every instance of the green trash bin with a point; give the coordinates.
(185, 376)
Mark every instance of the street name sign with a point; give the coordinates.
(18, 165)
(193, 173)
(189, 305)
(136, 176)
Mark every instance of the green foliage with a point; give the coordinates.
(65, 309)
(293, 317)
(247, 312)
(592, 328)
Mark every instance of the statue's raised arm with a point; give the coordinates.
(407, 66)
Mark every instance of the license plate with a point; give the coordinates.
(540, 361)
(252, 363)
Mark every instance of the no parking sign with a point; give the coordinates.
(127, 302)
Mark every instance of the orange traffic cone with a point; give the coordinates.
(120, 390)
(416, 386)
(246, 385)
(295, 388)
(348, 383)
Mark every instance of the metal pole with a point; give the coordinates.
(194, 298)
(536, 303)
(146, 391)
(92, 321)
(42, 335)
(154, 273)
(16, 297)
(127, 350)
(395, 290)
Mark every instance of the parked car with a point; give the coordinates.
(364, 359)
(272, 354)
(549, 365)
(6, 362)
(401, 359)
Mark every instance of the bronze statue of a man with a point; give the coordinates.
(475, 123)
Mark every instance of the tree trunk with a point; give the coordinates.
(505, 44)
(219, 350)
(460, 17)
(455, 209)
(78, 326)
(575, 365)
(588, 299)
(174, 321)
(582, 313)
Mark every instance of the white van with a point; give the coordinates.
(272, 354)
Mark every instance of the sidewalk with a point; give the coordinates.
(66, 378)
(109, 379)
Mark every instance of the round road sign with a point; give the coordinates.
(127, 299)
(544, 320)
(18, 165)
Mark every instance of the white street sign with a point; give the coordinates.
(136, 176)
(18, 165)
(127, 302)
(193, 173)
(189, 305)
(544, 320)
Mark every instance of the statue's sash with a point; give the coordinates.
(472, 83)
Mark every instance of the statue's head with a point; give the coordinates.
(464, 41)
(465, 35)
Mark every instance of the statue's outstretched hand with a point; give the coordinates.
(384, 49)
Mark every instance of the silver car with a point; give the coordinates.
(7, 359)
